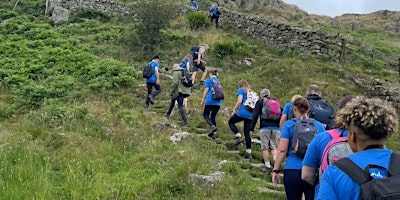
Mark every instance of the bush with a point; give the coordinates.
(82, 13)
(223, 49)
(197, 20)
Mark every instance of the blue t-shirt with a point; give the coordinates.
(293, 161)
(153, 78)
(187, 64)
(336, 184)
(287, 109)
(243, 112)
(209, 99)
(213, 10)
(194, 4)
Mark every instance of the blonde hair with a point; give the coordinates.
(372, 116)
(244, 84)
(294, 97)
(188, 56)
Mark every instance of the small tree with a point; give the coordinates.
(152, 16)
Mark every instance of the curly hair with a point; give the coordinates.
(374, 117)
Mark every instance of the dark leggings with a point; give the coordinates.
(295, 187)
(246, 128)
(178, 99)
(150, 89)
(216, 19)
(209, 114)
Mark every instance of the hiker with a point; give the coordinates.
(178, 93)
(294, 186)
(153, 81)
(370, 122)
(287, 112)
(194, 5)
(269, 127)
(211, 105)
(320, 109)
(239, 114)
(186, 62)
(314, 155)
(214, 11)
(197, 53)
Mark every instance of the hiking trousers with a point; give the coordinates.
(246, 128)
(150, 86)
(178, 99)
(209, 114)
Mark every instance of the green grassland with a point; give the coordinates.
(73, 125)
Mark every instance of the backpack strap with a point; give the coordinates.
(352, 170)
(394, 166)
(334, 133)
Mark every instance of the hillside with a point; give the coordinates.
(73, 124)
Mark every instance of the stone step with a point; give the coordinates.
(268, 190)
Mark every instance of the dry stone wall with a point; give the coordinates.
(279, 35)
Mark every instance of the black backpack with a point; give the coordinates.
(148, 70)
(303, 133)
(186, 78)
(194, 51)
(387, 188)
(321, 110)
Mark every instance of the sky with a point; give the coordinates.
(335, 8)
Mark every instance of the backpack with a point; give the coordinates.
(336, 149)
(370, 188)
(251, 100)
(270, 109)
(321, 110)
(217, 90)
(303, 133)
(194, 51)
(148, 70)
(186, 78)
(218, 11)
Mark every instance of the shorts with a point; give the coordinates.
(269, 139)
(200, 66)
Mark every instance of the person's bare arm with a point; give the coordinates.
(308, 174)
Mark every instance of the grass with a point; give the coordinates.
(102, 143)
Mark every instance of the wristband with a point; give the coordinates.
(276, 171)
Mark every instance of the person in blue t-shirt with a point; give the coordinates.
(370, 122)
(287, 112)
(153, 81)
(211, 106)
(295, 187)
(194, 5)
(187, 60)
(239, 114)
(269, 130)
(313, 158)
(214, 10)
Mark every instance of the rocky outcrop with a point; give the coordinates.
(60, 15)
(385, 90)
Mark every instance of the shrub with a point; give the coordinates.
(197, 20)
(223, 49)
(83, 13)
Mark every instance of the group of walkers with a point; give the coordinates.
(214, 11)
(328, 154)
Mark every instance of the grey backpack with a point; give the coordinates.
(387, 188)
(303, 133)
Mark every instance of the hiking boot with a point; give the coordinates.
(266, 170)
(146, 106)
(212, 136)
(201, 84)
(248, 156)
(213, 128)
(151, 99)
(238, 140)
(185, 124)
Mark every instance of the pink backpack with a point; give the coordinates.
(336, 149)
